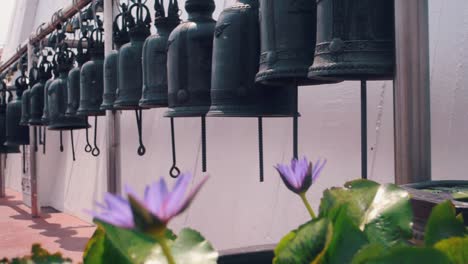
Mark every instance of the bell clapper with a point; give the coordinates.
(88, 147)
(174, 171)
(364, 128)
(296, 127)
(260, 148)
(44, 142)
(35, 139)
(141, 149)
(72, 144)
(96, 151)
(203, 142)
(61, 141)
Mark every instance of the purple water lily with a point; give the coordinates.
(300, 174)
(158, 201)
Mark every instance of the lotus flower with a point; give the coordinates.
(300, 174)
(158, 201)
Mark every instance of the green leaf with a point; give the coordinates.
(189, 247)
(455, 248)
(100, 250)
(383, 212)
(400, 255)
(346, 241)
(443, 224)
(133, 245)
(304, 244)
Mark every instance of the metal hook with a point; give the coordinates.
(141, 149)
(203, 142)
(174, 171)
(72, 145)
(35, 139)
(96, 151)
(61, 141)
(44, 141)
(88, 147)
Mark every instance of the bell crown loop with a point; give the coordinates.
(64, 58)
(138, 23)
(44, 69)
(120, 33)
(96, 43)
(171, 20)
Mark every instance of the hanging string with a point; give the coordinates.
(44, 142)
(35, 139)
(141, 149)
(24, 159)
(88, 147)
(61, 141)
(203, 142)
(260, 148)
(72, 145)
(174, 171)
(96, 150)
(364, 129)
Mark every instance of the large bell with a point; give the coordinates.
(16, 134)
(189, 61)
(236, 51)
(355, 40)
(57, 96)
(37, 93)
(92, 77)
(25, 108)
(130, 58)
(155, 57)
(111, 62)
(45, 112)
(74, 79)
(287, 29)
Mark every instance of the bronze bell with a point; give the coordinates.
(287, 33)
(155, 56)
(25, 108)
(111, 62)
(3, 148)
(189, 61)
(57, 95)
(45, 112)
(236, 52)
(16, 134)
(37, 92)
(92, 77)
(74, 78)
(130, 58)
(355, 40)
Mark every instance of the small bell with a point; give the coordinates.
(16, 134)
(130, 58)
(355, 40)
(37, 92)
(74, 78)
(57, 95)
(155, 56)
(92, 77)
(287, 32)
(3, 148)
(111, 62)
(189, 61)
(25, 108)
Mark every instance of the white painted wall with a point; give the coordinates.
(234, 209)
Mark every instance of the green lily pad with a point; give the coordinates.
(455, 248)
(100, 250)
(442, 224)
(400, 255)
(189, 247)
(383, 212)
(304, 244)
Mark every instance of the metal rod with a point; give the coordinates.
(88, 147)
(2, 176)
(296, 129)
(65, 14)
(61, 141)
(203, 142)
(412, 115)
(72, 145)
(24, 159)
(141, 148)
(44, 141)
(260, 148)
(35, 139)
(363, 129)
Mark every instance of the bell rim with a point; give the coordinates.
(15, 143)
(90, 112)
(197, 111)
(66, 127)
(220, 114)
(353, 72)
(35, 122)
(148, 104)
(280, 77)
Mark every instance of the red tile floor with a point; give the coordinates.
(55, 231)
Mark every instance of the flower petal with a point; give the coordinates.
(176, 197)
(155, 195)
(187, 201)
